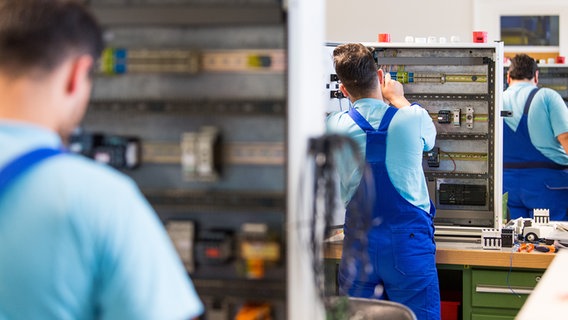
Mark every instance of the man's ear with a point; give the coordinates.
(344, 90)
(381, 75)
(535, 77)
(508, 78)
(79, 74)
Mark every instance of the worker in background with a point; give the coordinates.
(77, 239)
(535, 144)
(399, 240)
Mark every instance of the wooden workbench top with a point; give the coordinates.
(469, 253)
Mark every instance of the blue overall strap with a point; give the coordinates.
(529, 101)
(360, 120)
(387, 117)
(16, 167)
(366, 126)
(530, 158)
(376, 139)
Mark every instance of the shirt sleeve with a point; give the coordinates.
(141, 275)
(558, 114)
(428, 131)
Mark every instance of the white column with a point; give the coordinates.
(305, 120)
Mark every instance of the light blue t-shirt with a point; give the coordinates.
(411, 132)
(79, 241)
(547, 118)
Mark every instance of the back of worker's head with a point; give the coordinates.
(356, 69)
(38, 35)
(522, 67)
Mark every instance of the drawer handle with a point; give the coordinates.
(489, 289)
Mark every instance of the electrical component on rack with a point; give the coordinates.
(433, 157)
(469, 117)
(456, 115)
(444, 116)
(336, 94)
(182, 234)
(491, 239)
(117, 151)
(244, 61)
(506, 113)
(465, 78)
(402, 76)
(216, 308)
(429, 77)
(333, 87)
(462, 194)
(257, 249)
(200, 154)
(255, 311)
(214, 247)
(121, 60)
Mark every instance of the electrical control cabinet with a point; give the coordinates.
(201, 87)
(460, 85)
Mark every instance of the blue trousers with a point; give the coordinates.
(404, 271)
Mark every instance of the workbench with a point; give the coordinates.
(488, 284)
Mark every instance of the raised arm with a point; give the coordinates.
(393, 92)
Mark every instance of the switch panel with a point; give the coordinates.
(198, 154)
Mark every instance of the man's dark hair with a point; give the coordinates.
(38, 35)
(522, 67)
(356, 69)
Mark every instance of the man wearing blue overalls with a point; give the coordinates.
(78, 240)
(535, 144)
(389, 248)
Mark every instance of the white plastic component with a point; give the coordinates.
(541, 215)
(197, 154)
(132, 152)
(182, 235)
(537, 232)
(456, 113)
(491, 239)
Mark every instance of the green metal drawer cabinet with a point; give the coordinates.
(497, 294)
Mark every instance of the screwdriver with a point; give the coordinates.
(545, 248)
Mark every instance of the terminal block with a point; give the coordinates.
(200, 154)
(434, 157)
(444, 116)
(122, 152)
(491, 239)
(541, 215)
(456, 116)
